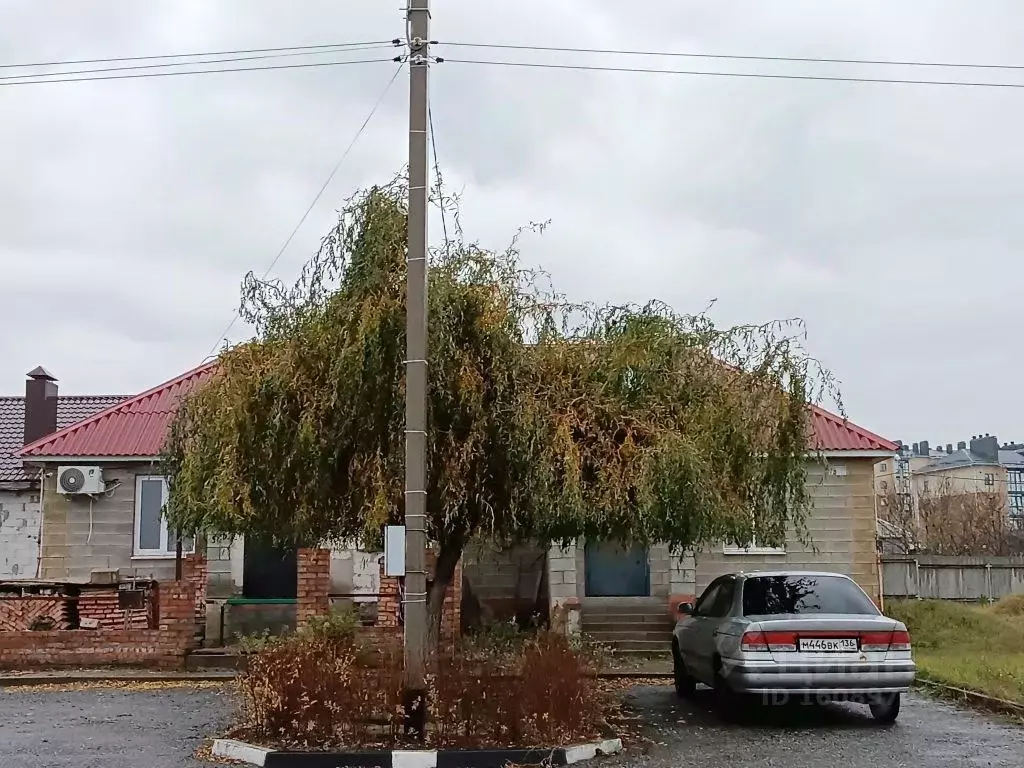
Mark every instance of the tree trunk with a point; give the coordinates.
(447, 561)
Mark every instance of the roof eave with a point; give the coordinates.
(34, 460)
(854, 453)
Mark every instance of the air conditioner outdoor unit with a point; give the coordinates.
(78, 480)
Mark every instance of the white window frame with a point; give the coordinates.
(753, 549)
(168, 547)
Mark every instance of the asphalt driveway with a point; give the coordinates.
(110, 728)
(928, 733)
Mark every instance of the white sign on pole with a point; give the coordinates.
(394, 550)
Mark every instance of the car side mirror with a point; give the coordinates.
(686, 609)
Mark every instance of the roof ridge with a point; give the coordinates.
(132, 399)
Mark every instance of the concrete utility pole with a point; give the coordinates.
(416, 371)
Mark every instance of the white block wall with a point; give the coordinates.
(19, 534)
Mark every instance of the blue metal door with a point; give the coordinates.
(612, 570)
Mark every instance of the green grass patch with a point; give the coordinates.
(979, 648)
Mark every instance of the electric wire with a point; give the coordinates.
(706, 73)
(138, 75)
(734, 57)
(312, 205)
(164, 65)
(437, 175)
(69, 62)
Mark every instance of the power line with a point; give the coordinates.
(260, 57)
(190, 72)
(316, 199)
(755, 75)
(437, 174)
(736, 57)
(69, 62)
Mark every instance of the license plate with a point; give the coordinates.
(828, 644)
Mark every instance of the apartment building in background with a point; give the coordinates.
(981, 465)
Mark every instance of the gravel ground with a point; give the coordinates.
(108, 728)
(160, 727)
(928, 733)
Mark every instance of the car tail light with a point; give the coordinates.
(875, 641)
(885, 641)
(900, 641)
(781, 641)
(768, 641)
(753, 641)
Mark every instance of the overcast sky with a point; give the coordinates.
(887, 216)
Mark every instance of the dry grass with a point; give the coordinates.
(118, 685)
(327, 690)
(979, 648)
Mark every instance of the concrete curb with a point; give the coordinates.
(974, 697)
(400, 758)
(240, 751)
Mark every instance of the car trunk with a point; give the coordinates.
(820, 638)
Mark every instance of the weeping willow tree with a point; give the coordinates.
(548, 420)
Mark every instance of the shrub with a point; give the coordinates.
(322, 687)
(1011, 605)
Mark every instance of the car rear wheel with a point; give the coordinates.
(686, 685)
(886, 708)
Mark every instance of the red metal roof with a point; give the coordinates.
(834, 433)
(137, 427)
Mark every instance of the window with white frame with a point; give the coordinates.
(152, 538)
(754, 548)
(990, 478)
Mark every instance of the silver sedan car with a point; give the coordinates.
(792, 636)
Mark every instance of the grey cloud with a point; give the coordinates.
(884, 215)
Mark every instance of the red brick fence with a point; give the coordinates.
(160, 632)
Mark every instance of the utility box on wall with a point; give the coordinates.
(394, 550)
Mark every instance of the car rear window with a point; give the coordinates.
(794, 594)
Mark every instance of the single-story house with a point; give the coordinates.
(120, 528)
(24, 419)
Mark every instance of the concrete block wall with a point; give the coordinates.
(564, 569)
(19, 534)
(80, 535)
(841, 525)
(354, 571)
(505, 580)
(219, 555)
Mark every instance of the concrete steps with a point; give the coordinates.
(213, 658)
(629, 626)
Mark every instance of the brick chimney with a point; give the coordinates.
(40, 404)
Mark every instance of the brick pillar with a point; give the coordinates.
(314, 585)
(194, 570)
(176, 602)
(388, 601)
(451, 614)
